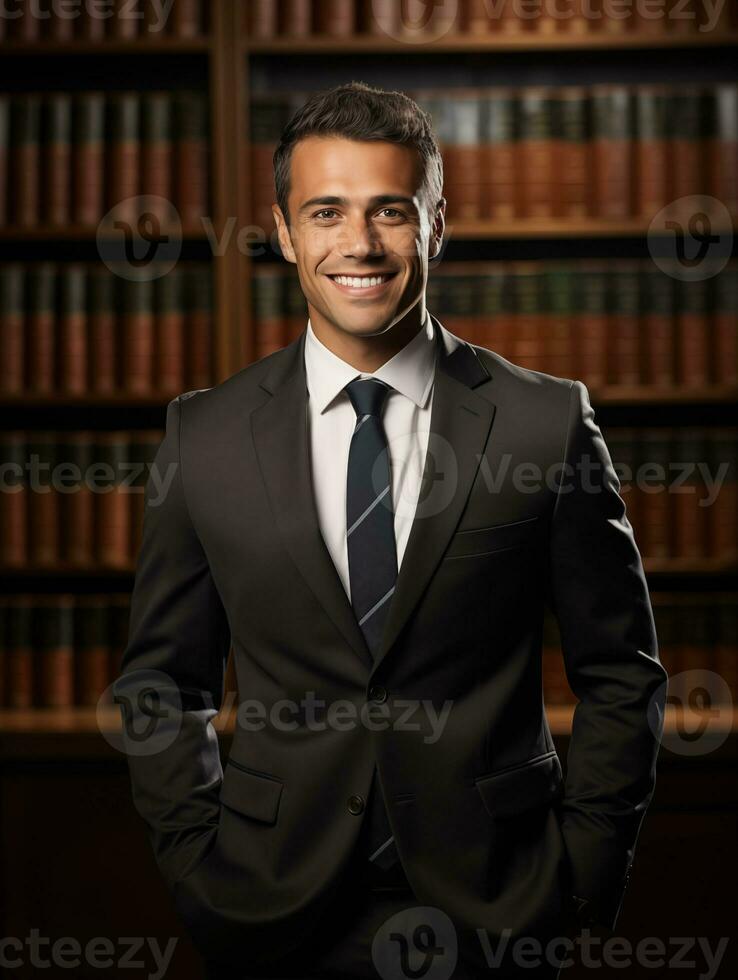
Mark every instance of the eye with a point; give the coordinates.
(391, 213)
(329, 212)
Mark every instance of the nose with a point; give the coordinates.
(358, 239)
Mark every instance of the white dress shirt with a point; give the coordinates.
(331, 421)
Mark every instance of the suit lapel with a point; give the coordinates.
(460, 424)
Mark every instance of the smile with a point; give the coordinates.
(362, 284)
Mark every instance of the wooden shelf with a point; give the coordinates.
(162, 45)
(651, 395)
(46, 233)
(115, 400)
(521, 228)
(519, 43)
(66, 570)
(690, 566)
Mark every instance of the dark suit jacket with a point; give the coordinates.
(509, 519)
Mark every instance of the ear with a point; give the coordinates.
(283, 232)
(439, 226)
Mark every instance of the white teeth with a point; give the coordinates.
(360, 283)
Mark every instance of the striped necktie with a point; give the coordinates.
(372, 555)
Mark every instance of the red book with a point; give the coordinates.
(725, 325)
(199, 312)
(686, 145)
(690, 519)
(124, 24)
(536, 155)
(572, 148)
(124, 152)
(89, 157)
(612, 149)
(72, 330)
(157, 152)
(170, 333)
(651, 150)
(722, 146)
(693, 337)
(263, 18)
(381, 17)
(623, 344)
(25, 154)
(103, 341)
(657, 327)
(463, 157)
(78, 505)
(336, 18)
(499, 155)
(191, 157)
(92, 643)
(114, 510)
(44, 499)
(591, 326)
(655, 532)
(19, 651)
(53, 627)
(15, 502)
(41, 328)
(57, 163)
(722, 454)
(138, 333)
(12, 332)
(187, 18)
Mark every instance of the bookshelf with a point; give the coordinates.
(235, 68)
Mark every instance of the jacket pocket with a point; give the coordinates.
(252, 793)
(521, 787)
(498, 537)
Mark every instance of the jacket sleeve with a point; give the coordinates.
(172, 672)
(600, 599)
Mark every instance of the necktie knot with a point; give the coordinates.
(367, 396)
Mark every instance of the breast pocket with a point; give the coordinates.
(477, 542)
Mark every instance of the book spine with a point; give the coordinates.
(623, 325)
(463, 164)
(138, 333)
(72, 343)
(335, 18)
(124, 154)
(25, 153)
(20, 681)
(651, 151)
(78, 505)
(499, 155)
(722, 454)
(187, 19)
(693, 345)
(4, 157)
(42, 328)
(263, 21)
(89, 158)
(690, 518)
(124, 24)
(536, 155)
(192, 148)
(12, 329)
(725, 326)
(199, 314)
(103, 342)
(654, 531)
(92, 648)
(297, 19)
(572, 150)
(170, 333)
(15, 501)
(157, 153)
(722, 147)
(658, 292)
(612, 150)
(57, 159)
(54, 646)
(685, 143)
(44, 500)
(113, 501)
(591, 327)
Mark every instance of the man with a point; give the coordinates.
(391, 761)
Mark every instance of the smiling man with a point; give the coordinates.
(375, 518)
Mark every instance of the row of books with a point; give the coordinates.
(613, 322)
(345, 18)
(62, 650)
(74, 499)
(95, 21)
(78, 329)
(697, 638)
(70, 157)
(601, 151)
(680, 486)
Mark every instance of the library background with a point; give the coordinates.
(564, 138)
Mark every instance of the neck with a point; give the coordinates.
(368, 353)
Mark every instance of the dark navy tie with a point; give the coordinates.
(372, 555)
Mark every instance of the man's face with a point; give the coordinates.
(360, 232)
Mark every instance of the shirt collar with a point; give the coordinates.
(410, 371)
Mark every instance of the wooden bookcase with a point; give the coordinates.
(226, 58)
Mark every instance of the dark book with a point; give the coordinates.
(57, 159)
(191, 156)
(72, 330)
(12, 329)
(89, 158)
(25, 159)
(41, 328)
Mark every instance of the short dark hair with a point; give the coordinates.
(357, 111)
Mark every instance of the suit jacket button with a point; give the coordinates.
(356, 805)
(378, 694)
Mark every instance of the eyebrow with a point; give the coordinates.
(380, 199)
